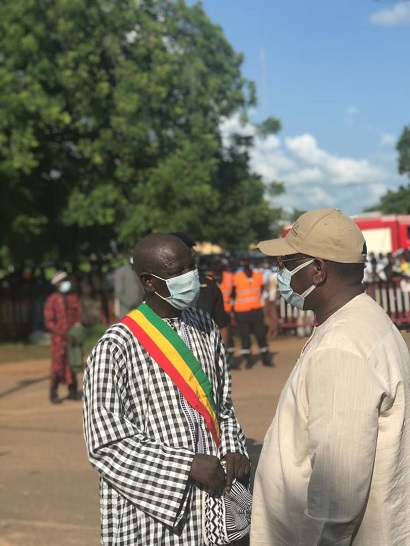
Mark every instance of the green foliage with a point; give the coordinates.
(394, 202)
(109, 127)
(270, 126)
(403, 147)
(244, 217)
(398, 202)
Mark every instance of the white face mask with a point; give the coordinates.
(183, 289)
(286, 291)
(65, 287)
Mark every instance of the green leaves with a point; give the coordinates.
(109, 126)
(398, 202)
(270, 126)
(403, 147)
(98, 208)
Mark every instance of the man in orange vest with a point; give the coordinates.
(248, 285)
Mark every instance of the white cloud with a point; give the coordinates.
(388, 140)
(269, 160)
(305, 176)
(335, 170)
(352, 111)
(313, 177)
(233, 125)
(395, 16)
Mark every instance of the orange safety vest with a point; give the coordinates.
(248, 291)
(226, 289)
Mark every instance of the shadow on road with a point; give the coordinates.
(23, 385)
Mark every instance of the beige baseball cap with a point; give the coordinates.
(323, 233)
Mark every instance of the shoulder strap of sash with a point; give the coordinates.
(166, 347)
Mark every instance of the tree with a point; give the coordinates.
(403, 147)
(109, 126)
(243, 215)
(394, 202)
(398, 202)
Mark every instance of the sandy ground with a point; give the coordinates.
(48, 490)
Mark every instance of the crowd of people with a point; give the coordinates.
(387, 267)
(107, 291)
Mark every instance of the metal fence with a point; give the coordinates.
(16, 316)
(21, 312)
(393, 297)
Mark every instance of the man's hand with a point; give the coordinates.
(207, 470)
(237, 466)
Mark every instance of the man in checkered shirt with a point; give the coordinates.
(154, 453)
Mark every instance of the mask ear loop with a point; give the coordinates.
(301, 266)
(165, 298)
(156, 276)
(309, 290)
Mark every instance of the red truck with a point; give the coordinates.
(384, 232)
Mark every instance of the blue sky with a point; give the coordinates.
(337, 75)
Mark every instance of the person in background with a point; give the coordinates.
(247, 289)
(370, 274)
(335, 463)
(405, 262)
(128, 290)
(391, 271)
(210, 296)
(272, 300)
(266, 269)
(155, 453)
(224, 278)
(62, 311)
(382, 261)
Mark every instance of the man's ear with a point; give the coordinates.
(146, 280)
(320, 274)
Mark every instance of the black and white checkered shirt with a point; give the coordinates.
(141, 440)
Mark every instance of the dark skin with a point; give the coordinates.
(332, 290)
(247, 267)
(167, 256)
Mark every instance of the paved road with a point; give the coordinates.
(48, 490)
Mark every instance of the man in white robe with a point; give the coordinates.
(335, 464)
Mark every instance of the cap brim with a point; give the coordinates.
(58, 277)
(276, 247)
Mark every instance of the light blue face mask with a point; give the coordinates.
(184, 289)
(286, 291)
(65, 287)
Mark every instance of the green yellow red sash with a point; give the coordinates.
(166, 347)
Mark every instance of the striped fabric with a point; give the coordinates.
(141, 442)
(227, 517)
